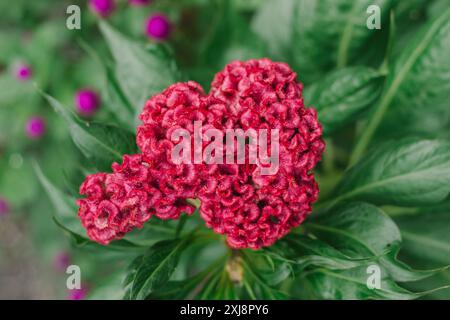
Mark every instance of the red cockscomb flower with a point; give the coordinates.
(252, 209)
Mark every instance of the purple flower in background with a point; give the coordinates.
(61, 261)
(35, 127)
(158, 27)
(139, 2)
(87, 102)
(78, 294)
(23, 72)
(102, 7)
(4, 207)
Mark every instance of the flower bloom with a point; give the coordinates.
(158, 27)
(35, 127)
(103, 8)
(78, 294)
(4, 207)
(87, 102)
(23, 72)
(118, 202)
(255, 210)
(252, 209)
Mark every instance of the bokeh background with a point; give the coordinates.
(38, 52)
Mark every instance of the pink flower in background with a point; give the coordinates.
(35, 127)
(87, 102)
(23, 72)
(4, 207)
(139, 2)
(103, 8)
(61, 261)
(158, 27)
(251, 208)
(78, 294)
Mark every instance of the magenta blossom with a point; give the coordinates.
(23, 72)
(158, 27)
(78, 294)
(87, 102)
(61, 261)
(103, 8)
(139, 2)
(4, 207)
(35, 127)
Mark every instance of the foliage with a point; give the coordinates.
(381, 96)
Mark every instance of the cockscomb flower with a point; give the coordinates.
(35, 127)
(252, 208)
(87, 102)
(103, 8)
(118, 202)
(23, 72)
(158, 27)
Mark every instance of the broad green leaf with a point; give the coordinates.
(330, 32)
(408, 172)
(141, 71)
(416, 95)
(343, 95)
(349, 284)
(256, 286)
(362, 231)
(305, 252)
(426, 237)
(156, 267)
(101, 144)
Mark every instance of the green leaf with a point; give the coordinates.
(343, 95)
(349, 284)
(329, 33)
(273, 23)
(416, 92)
(408, 172)
(141, 71)
(115, 99)
(156, 267)
(231, 38)
(362, 231)
(101, 144)
(426, 237)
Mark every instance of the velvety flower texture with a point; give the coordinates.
(118, 202)
(253, 210)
